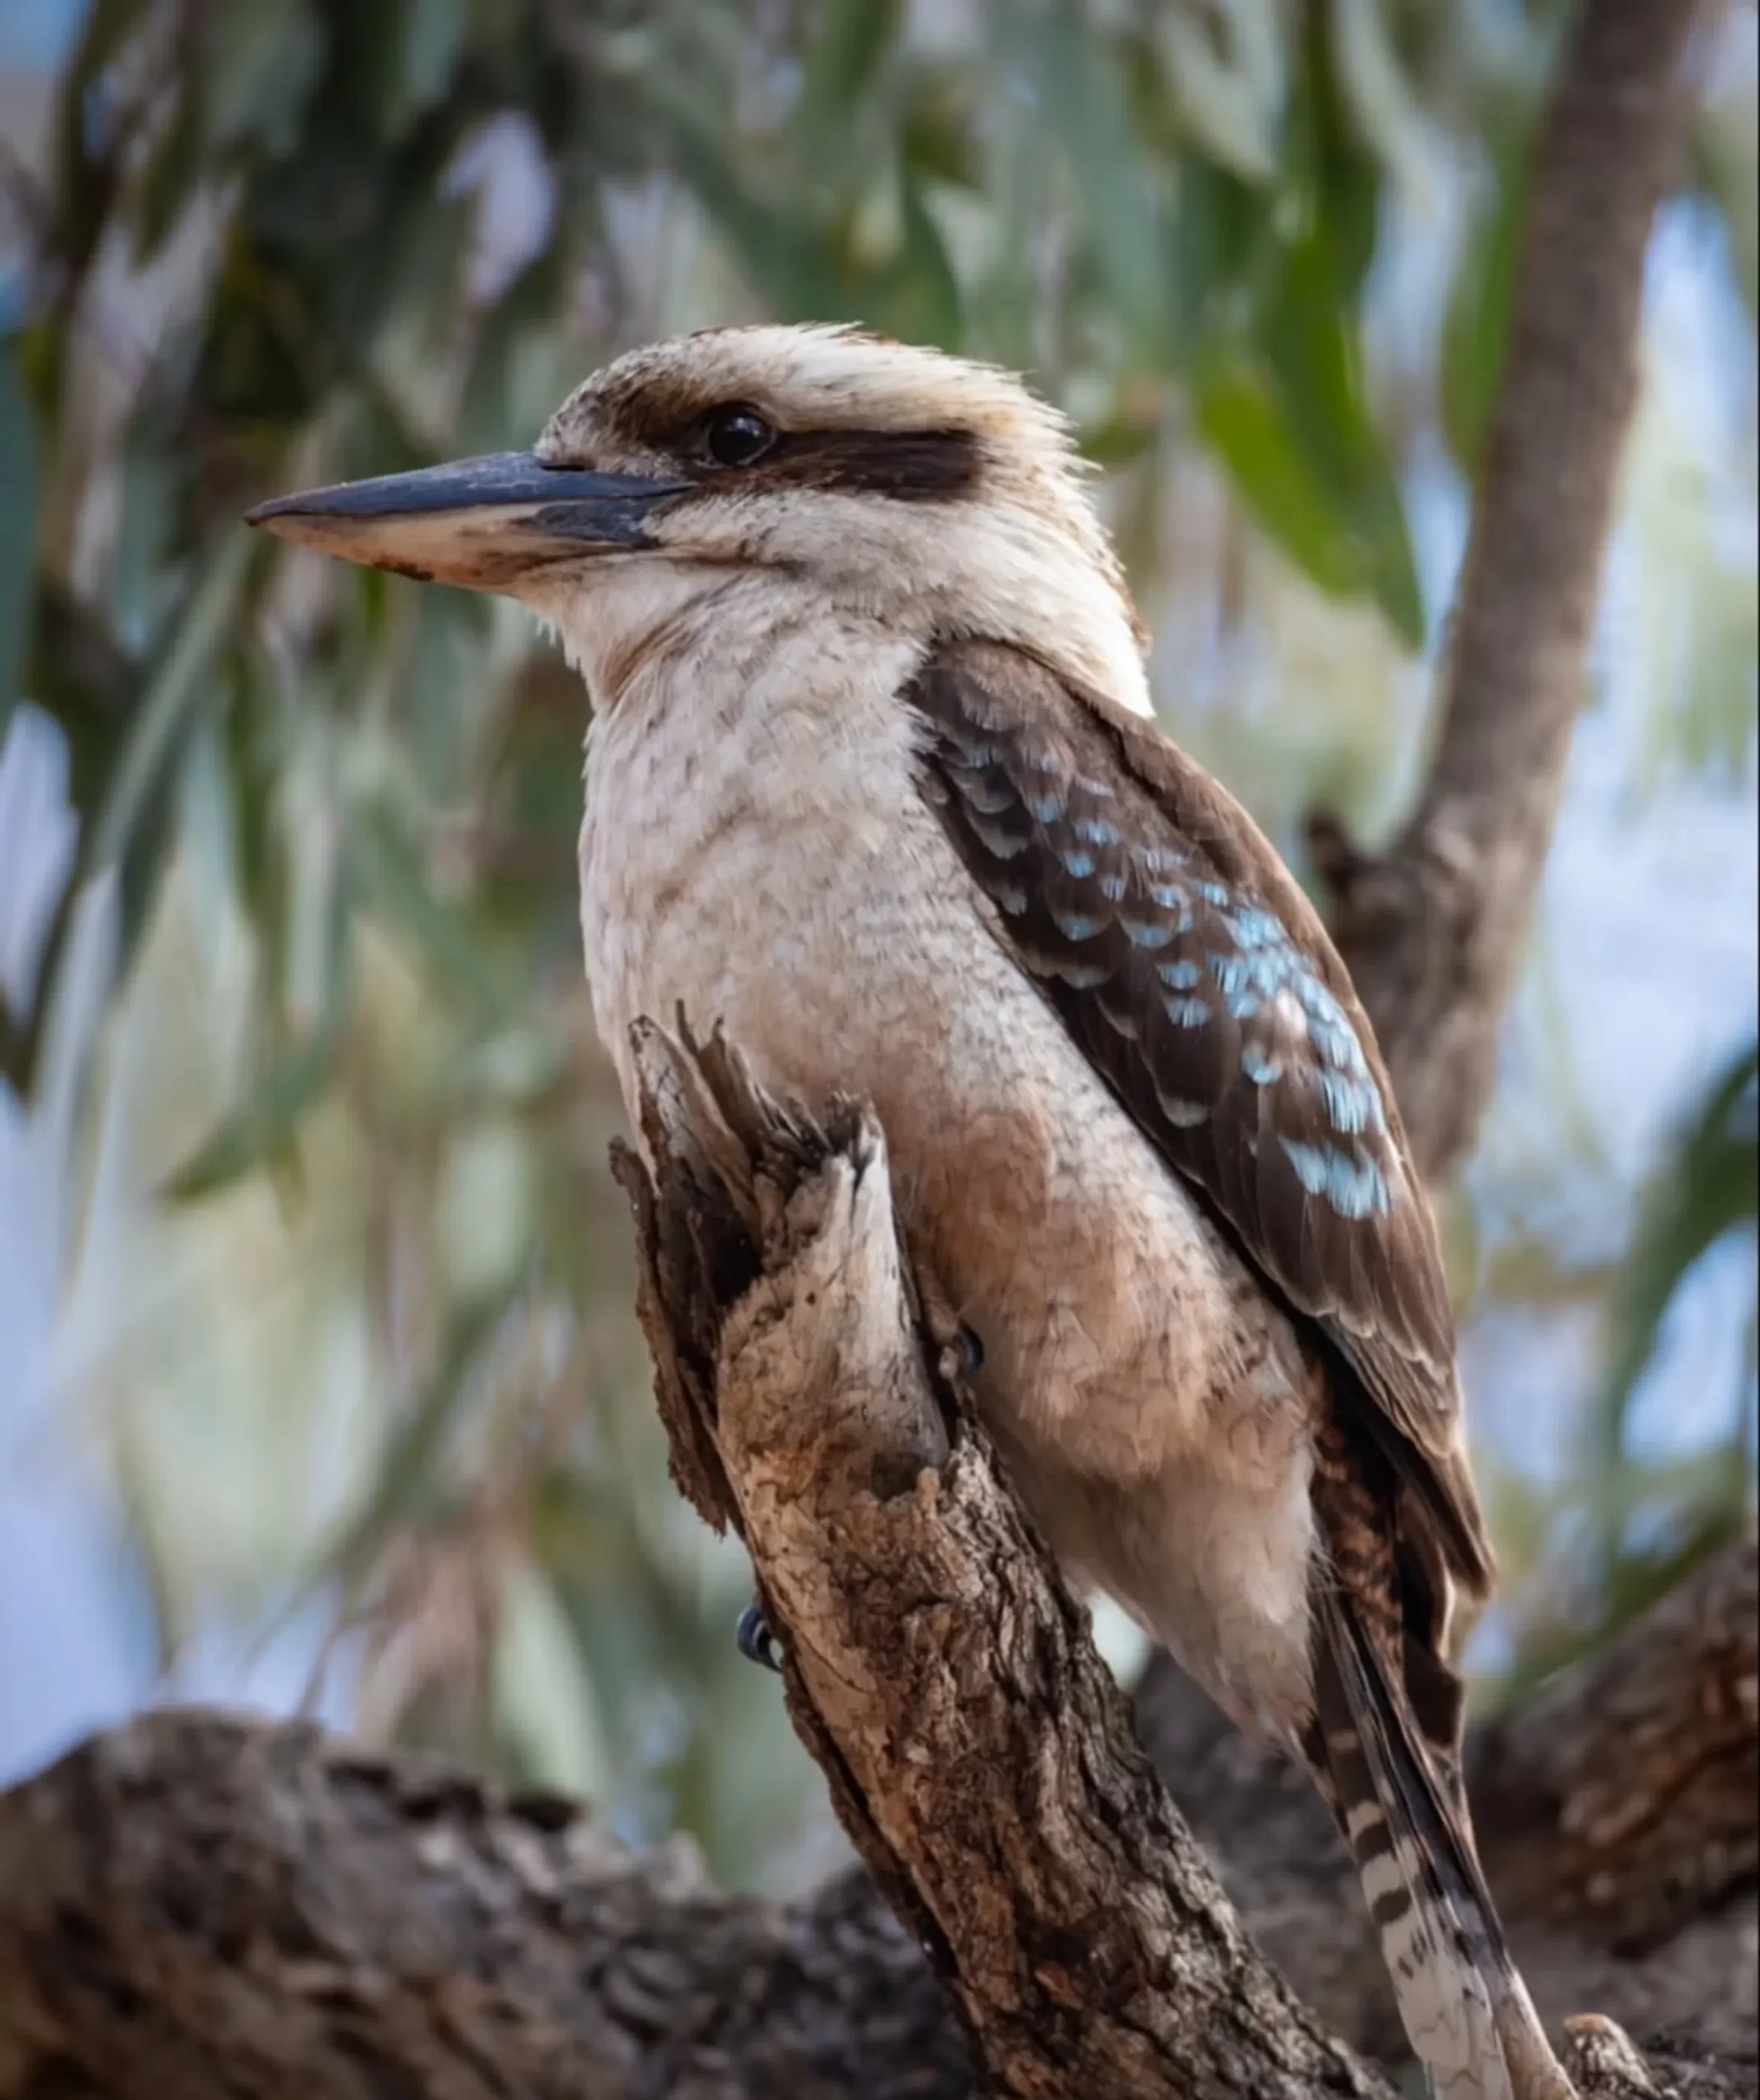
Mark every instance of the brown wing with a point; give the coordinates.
(1187, 966)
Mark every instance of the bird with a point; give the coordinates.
(874, 783)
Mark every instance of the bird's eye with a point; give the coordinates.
(738, 437)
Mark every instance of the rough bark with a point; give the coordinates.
(199, 1904)
(1433, 930)
(980, 1756)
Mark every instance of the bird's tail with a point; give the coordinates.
(1465, 2009)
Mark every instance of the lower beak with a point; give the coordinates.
(482, 524)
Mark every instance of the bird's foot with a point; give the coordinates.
(756, 1642)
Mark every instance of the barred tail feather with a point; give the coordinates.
(1465, 2010)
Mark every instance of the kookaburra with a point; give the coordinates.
(871, 780)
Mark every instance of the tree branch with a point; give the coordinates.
(198, 1905)
(201, 1904)
(1434, 931)
(979, 1754)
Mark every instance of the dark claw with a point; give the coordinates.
(757, 1643)
(971, 1351)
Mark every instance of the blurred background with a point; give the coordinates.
(319, 1380)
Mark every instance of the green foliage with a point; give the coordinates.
(337, 309)
(20, 469)
(261, 237)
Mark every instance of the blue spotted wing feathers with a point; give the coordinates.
(1192, 971)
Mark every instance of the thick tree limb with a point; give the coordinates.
(1433, 930)
(199, 1905)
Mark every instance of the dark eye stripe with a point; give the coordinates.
(923, 466)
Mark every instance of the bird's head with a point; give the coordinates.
(742, 467)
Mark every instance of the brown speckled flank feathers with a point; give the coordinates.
(1194, 975)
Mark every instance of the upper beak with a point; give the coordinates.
(480, 523)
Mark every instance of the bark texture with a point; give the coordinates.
(1433, 930)
(197, 1904)
(980, 1756)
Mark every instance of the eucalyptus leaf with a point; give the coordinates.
(1710, 1186)
(1073, 76)
(1243, 415)
(1475, 330)
(264, 1126)
(179, 689)
(20, 469)
(392, 878)
(260, 61)
(842, 66)
(408, 1482)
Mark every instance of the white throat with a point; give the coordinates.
(751, 795)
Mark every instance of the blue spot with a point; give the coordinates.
(1261, 1069)
(1147, 932)
(1352, 1184)
(974, 755)
(1352, 1104)
(1003, 844)
(1212, 892)
(1231, 973)
(1101, 791)
(1163, 859)
(1113, 888)
(1079, 863)
(1096, 832)
(1328, 1030)
(1046, 808)
(1186, 1013)
(1041, 761)
(1254, 928)
(1179, 976)
(1172, 900)
(1075, 925)
(1242, 1005)
(1336, 1045)
(1183, 1115)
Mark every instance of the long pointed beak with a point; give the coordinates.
(482, 524)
